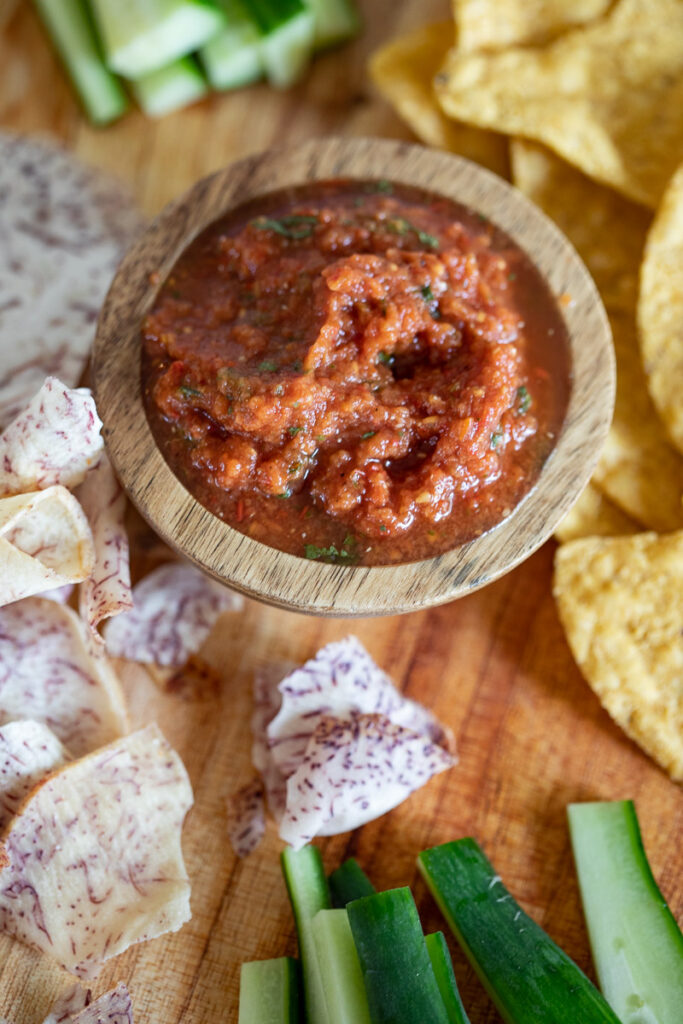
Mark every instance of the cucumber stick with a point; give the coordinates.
(140, 36)
(170, 88)
(72, 32)
(287, 28)
(398, 974)
(308, 894)
(637, 945)
(340, 972)
(333, 21)
(445, 977)
(527, 975)
(349, 882)
(269, 992)
(233, 58)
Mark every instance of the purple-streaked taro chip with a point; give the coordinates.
(45, 542)
(246, 817)
(174, 609)
(54, 440)
(353, 772)
(113, 1007)
(107, 590)
(50, 671)
(93, 862)
(267, 702)
(29, 751)
(71, 1002)
(342, 678)
(64, 227)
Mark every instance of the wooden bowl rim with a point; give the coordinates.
(285, 580)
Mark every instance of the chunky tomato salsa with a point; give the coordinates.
(356, 372)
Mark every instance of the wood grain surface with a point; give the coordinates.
(494, 665)
(280, 578)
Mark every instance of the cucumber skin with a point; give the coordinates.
(349, 882)
(269, 992)
(397, 971)
(445, 977)
(528, 977)
(624, 901)
(308, 893)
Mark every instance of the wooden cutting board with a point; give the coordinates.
(494, 666)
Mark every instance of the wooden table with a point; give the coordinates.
(495, 666)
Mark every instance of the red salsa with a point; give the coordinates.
(362, 373)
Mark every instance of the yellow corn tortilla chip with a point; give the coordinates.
(639, 470)
(620, 600)
(608, 230)
(660, 310)
(45, 542)
(495, 24)
(594, 515)
(403, 72)
(607, 97)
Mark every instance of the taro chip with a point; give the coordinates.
(638, 470)
(594, 515)
(403, 71)
(107, 590)
(29, 751)
(64, 227)
(113, 1007)
(45, 543)
(93, 864)
(353, 771)
(620, 600)
(174, 609)
(246, 817)
(607, 96)
(71, 1002)
(50, 672)
(496, 24)
(340, 680)
(660, 310)
(54, 440)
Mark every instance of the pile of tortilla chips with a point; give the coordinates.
(583, 103)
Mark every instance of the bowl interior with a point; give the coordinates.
(311, 586)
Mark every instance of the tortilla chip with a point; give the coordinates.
(660, 310)
(55, 440)
(638, 470)
(594, 515)
(495, 24)
(92, 863)
(608, 230)
(107, 590)
(52, 674)
(45, 543)
(174, 609)
(403, 71)
(607, 97)
(64, 227)
(621, 603)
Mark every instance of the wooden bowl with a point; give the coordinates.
(283, 579)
